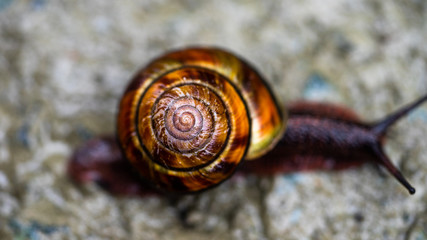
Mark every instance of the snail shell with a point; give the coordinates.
(188, 118)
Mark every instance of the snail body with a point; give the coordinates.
(188, 119)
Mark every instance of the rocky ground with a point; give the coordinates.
(64, 65)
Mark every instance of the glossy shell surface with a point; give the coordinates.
(189, 118)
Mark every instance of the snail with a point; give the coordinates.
(192, 117)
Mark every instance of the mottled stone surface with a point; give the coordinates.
(64, 65)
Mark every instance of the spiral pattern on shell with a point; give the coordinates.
(190, 124)
(187, 120)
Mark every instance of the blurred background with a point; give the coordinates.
(65, 64)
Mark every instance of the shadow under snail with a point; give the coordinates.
(189, 118)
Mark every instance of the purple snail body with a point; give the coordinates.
(188, 119)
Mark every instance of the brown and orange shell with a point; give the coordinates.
(188, 118)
